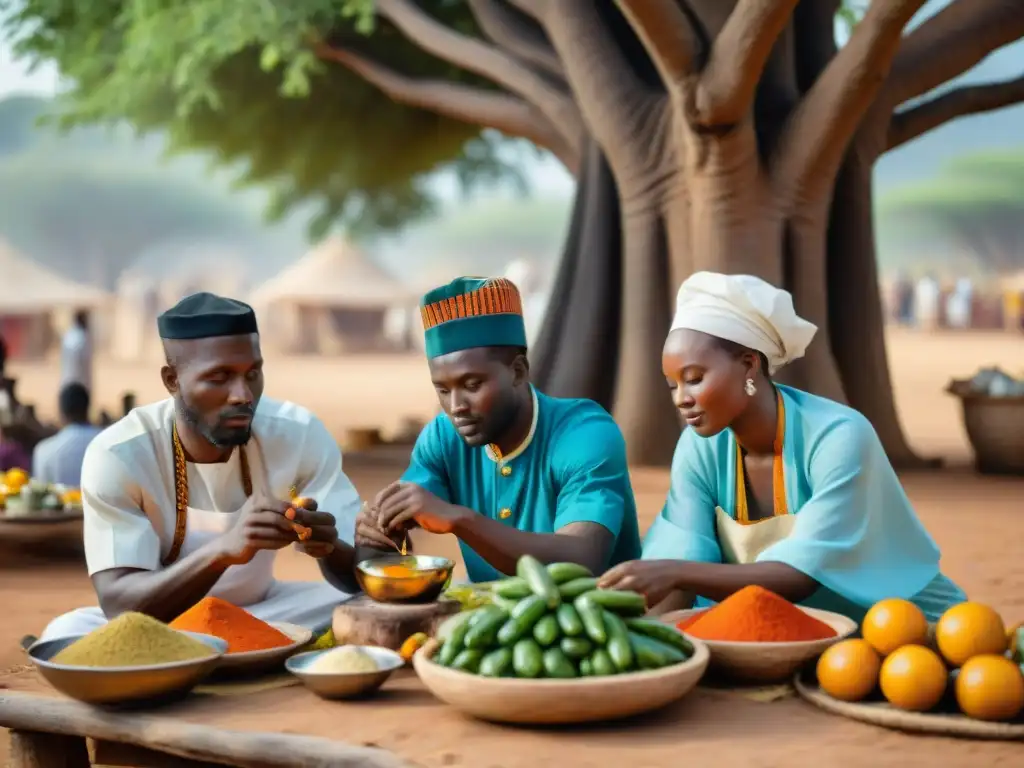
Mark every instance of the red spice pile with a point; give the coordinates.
(755, 615)
(242, 631)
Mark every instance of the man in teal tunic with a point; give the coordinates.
(506, 469)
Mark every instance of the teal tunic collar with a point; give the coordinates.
(492, 452)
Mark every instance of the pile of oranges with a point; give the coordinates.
(971, 660)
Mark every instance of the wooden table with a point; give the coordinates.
(405, 725)
(51, 732)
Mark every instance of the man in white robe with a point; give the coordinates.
(190, 496)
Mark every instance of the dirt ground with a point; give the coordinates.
(978, 522)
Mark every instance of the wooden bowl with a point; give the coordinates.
(560, 702)
(766, 663)
(253, 662)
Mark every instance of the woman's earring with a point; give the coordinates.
(749, 388)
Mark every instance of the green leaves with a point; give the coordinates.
(241, 79)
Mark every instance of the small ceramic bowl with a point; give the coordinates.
(341, 685)
(766, 663)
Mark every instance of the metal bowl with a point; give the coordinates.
(121, 686)
(342, 685)
(257, 662)
(426, 580)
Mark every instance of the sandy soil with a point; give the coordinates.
(977, 522)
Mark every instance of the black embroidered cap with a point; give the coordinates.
(204, 315)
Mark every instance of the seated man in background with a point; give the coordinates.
(58, 459)
(506, 469)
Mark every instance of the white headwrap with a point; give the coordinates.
(746, 310)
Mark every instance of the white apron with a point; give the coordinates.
(741, 544)
(252, 585)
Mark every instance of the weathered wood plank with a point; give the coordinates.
(22, 711)
(34, 749)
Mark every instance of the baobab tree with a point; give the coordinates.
(732, 135)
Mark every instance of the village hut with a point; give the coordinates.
(334, 300)
(36, 303)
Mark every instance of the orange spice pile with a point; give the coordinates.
(755, 615)
(240, 629)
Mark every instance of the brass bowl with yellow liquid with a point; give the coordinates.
(404, 578)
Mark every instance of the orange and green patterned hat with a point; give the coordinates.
(472, 312)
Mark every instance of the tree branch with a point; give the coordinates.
(477, 106)
(820, 128)
(952, 42)
(667, 35)
(738, 58)
(908, 124)
(483, 59)
(617, 105)
(511, 31)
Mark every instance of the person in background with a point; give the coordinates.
(58, 459)
(506, 469)
(13, 455)
(927, 297)
(76, 353)
(772, 486)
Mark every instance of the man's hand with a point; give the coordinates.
(403, 504)
(261, 525)
(371, 535)
(655, 579)
(322, 531)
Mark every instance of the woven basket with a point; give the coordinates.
(881, 713)
(995, 429)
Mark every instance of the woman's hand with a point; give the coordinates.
(655, 579)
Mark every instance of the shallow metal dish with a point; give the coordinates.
(121, 686)
(253, 662)
(341, 685)
(428, 578)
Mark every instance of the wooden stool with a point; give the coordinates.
(362, 621)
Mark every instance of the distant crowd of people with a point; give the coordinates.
(928, 303)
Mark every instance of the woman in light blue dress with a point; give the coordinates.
(771, 485)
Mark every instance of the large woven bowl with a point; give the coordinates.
(765, 663)
(560, 702)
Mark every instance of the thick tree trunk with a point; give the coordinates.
(576, 354)
(643, 406)
(579, 351)
(612, 301)
(805, 257)
(855, 311)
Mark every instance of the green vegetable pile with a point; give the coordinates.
(554, 622)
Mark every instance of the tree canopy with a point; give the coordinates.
(246, 83)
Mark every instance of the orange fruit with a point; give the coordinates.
(913, 678)
(848, 670)
(893, 623)
(990, 687)
(970, 629)
(15, 479)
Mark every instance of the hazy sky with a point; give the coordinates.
(14, 77)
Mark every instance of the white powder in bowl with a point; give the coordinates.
(346, 660)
